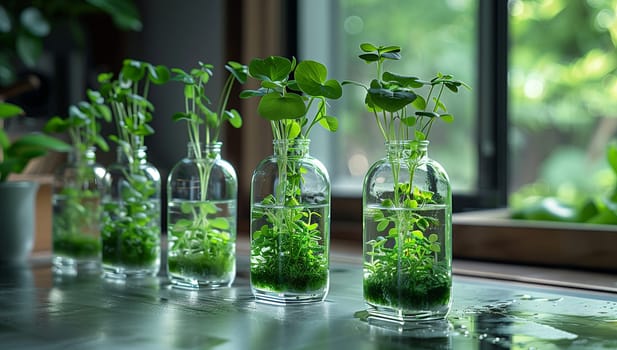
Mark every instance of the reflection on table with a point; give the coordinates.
(40, 310)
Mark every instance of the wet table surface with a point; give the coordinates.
(39, 310)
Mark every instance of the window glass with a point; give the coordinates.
(563, 97)
(435, 35)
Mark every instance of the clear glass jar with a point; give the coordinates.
(132, 221)
(78, 193)
(290, 226)
(201, 219)
(407, 227)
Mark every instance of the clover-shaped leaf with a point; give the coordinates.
(311, 77)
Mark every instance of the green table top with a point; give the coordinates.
(39, 310)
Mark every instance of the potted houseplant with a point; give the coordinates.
(131, 231)
(17, 213)
(202, 188)
(407, 197)
(79, 189)
(290, 190)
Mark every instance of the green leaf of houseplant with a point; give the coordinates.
(273, 106)
(402, 80)
(273, 68)
(158, 74)
(239, 71)
(311, 77)
(133, 70)
(389, 100)
(329, 123)
(5, 21)
(36, 140)
(234, 118)
(29, 48)
(368, 47)
(124, 13)
(9, 110)
(32, 19)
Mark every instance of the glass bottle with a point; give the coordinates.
(132, 227)
(290, 226)
(78, 192)
(407, 227)
(201, 219)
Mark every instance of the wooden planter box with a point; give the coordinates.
(491, 235)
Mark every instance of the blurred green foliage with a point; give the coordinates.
(24, 25)
(563, 100)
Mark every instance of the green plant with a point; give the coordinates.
(16, 154)
(24, 25)
(288, 252)
(131, 229)
(202, 242)
(542, 203)
(403, 267)
(77, 200)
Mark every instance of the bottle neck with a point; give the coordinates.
(204, 151)
(82, 156)
(296, 148)
(406, 150)
(132, 156)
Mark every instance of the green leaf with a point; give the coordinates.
(32, 19)
(5, 21)
(212, 119)
(273, 106)
(239, 71)
(311, 78)
(405, 81)
(124, 13)
(100, 141)
(29, 48)
(389, 100)
(94, 96)
(369, 57)
(427, 114)
(189, 91)
(9, 110)
(41, 141)
(409, 121)
(104, 77)
(220, 223)
(368, 47)
(433, 238)
(294, 130)
(329, 123)
(56, 125)
(104, 112)
(419, 103)
(159, 74)
(234, 118)
(273, 68)
(133, 70)
(253, 93)
(448, 118)
(182, 76)
(183, 116)
(382, 225)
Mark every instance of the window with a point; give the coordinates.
(435, 36)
